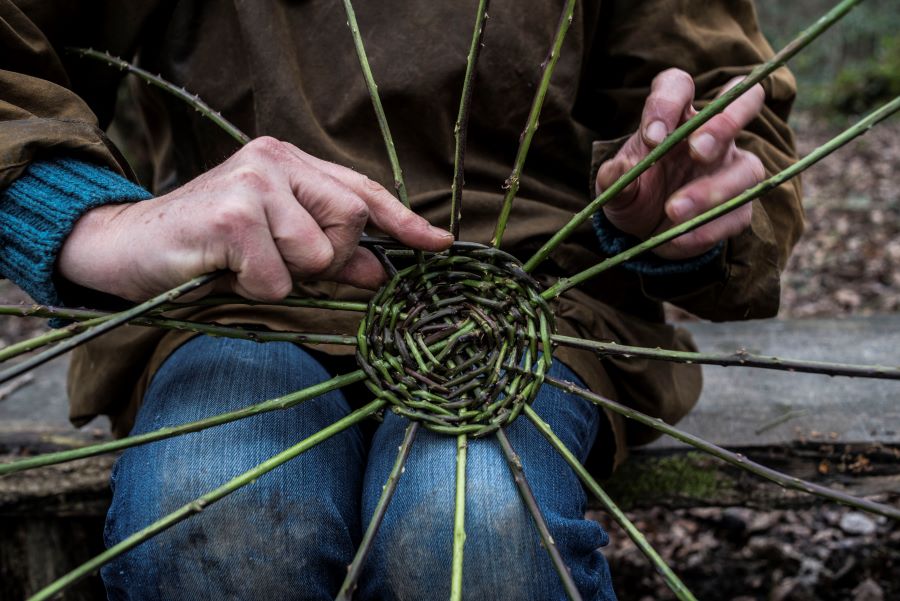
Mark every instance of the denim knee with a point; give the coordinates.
(289, 535)
(503, 557)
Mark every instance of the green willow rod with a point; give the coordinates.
(209, 329)
(460, 130)
(671, 579)
(518, 473)
(512, 183)
(283, 402)
(735, 459)
(399, 182)
(740, 358)
(681, 133)
(192, 99)
(199, 504)
(459, 520)
(113, 321)
(354, 570)
(291, 301)
(750, 194)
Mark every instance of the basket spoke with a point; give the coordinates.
(462, 119)
(113, 321)
(387, 493)
(740, 358)
(515, 466)
(680, 134)
(459, 520)
(200, 503)
(861, 127)
(672, 580)
(512, 184)
(282, 402)
(735, 459)
(192, 99)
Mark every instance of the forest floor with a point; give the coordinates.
(846, 263)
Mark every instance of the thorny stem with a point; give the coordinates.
(740, 358)
(515, 466)
(672, 580)
(512, 184)
(113, 321)
(735, 459)
(25, 346)
(709, 111)
(355, 568)
(282, 402)
(748, 195)
(462, 119)
(459, 520)
(182, 94)
(399, 183)
(200, 503)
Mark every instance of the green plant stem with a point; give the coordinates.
(735, 459)
(681, 133)
(462, 119)
(201, 503)
(399, 182)
(113, 321)
(512, 183)
(291, 301)
(26, 346)
(282, 402)
(387, 493)
(515, 466)
(672, 580)
(459, 520)
(740, 358)
(750, 194)
(180, 93)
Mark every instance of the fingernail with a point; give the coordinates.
(681, 209)
(440, 233)
(704, 146)
(656, 132)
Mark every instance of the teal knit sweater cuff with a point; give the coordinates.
(40, 208)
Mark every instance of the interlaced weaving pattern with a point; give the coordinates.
(460, 343)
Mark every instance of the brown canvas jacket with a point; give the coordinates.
(288, 70)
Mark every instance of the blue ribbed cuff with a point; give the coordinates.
(614, 241)
(40, 208)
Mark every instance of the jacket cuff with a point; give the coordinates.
(40, 208)
(614, 241)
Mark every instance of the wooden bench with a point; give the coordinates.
(838, 431)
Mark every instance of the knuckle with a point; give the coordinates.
(674, 75)
(354, 211)
(265, 146)
(319, 257)
(755, 166)
(372, 186)
(230, 219)
(250, 177)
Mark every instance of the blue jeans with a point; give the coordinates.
(291, 534)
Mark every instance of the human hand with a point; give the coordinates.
(696, 175)
(270, 215)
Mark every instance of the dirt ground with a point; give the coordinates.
(848, 262)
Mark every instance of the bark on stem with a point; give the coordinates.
(459, 520)
(740, 358)
(735, 459)
(512, 183)
(750, 194)
(200, 503)
(515, 466)
(25, 346)
(282, 402)
(672, 580)
(113, 321)
(462, 119)
(387, 493)
(680, 134)
(180, 93)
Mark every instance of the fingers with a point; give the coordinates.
(386, 212)
(712, 140)
(705, 193)
(671, 94)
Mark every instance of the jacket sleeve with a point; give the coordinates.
(714, 42)
(55, 160)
